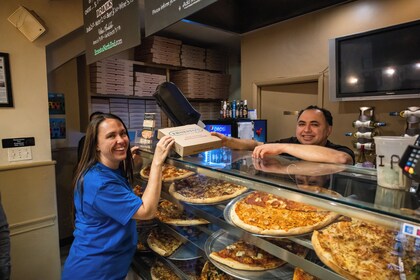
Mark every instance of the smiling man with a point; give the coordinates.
(311, 143)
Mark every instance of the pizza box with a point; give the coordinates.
(191, 139)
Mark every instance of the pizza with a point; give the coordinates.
(202, 189)
(210, 272)
(138, 191)
(162, 242)
(245, 256)
(169, 173)
(170, 213)
(361, 250)
(141, 247)
(268, 214)
(300, 274)
(159, 271)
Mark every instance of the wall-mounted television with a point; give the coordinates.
(377, 64)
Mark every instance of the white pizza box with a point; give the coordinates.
(191, 139)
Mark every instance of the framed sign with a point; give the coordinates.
(6, 99)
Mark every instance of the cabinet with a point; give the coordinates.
(360, 198)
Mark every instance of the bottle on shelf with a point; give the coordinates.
(367, 124)
(361, 157)
(228, 110)
(245, 110)
(241, 108)
(358, 134)
(221, 110)
(238, 112)
(224, 110)
(366, 146)
(234, 110)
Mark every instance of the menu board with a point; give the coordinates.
(111, 26)
(159, 14)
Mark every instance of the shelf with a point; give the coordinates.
(107, 96)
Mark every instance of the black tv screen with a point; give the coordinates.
(378, 64)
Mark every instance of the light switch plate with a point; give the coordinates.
(18, 154)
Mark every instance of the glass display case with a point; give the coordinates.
(353, 192)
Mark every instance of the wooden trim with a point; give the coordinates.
(26, 165)
(256, 87)
(31, 225)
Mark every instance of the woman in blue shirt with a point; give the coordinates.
(106, 208)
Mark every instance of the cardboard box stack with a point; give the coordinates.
(99, 105)
(192, 83)
(136, 110)
(157, 49)
(193, 57)
(208, 110)
(219, 85)
(216, 60)
(119, 107)
(152, 107)
(202, 84)
(111, 76)
(145, 83)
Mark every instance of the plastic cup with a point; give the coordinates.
(389, 150)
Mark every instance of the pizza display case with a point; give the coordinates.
(352, 192)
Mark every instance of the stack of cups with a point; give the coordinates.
(389, 150)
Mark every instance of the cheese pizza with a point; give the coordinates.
(268, 214)
(169, 173)
(361, 250)
(202, 189)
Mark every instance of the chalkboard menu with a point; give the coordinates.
(111, 26)
(162, 13)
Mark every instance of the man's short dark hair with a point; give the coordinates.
(325, 112)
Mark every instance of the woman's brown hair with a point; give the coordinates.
(90, 156)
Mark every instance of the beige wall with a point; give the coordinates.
(28, 188)
(299, 47)
(29, 117)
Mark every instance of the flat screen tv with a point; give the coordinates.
(378, 64)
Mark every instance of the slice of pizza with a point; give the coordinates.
(170, 173)
(138, 191)
(300, 274)
(162, 242)
(202, 189)
(210, 272)
(244, 256)
(170, 213)
(159, 271)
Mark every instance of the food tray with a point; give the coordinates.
(220, 239)
(228, 209)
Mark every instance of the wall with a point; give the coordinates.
(299, 47)
(28, 191)
(29, 117)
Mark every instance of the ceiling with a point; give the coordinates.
(222, 22)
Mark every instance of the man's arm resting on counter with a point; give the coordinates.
(237, 144)
(304, 152)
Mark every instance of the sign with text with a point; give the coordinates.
(111, 26)
(162, 13)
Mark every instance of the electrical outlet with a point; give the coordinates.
(21, 153)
